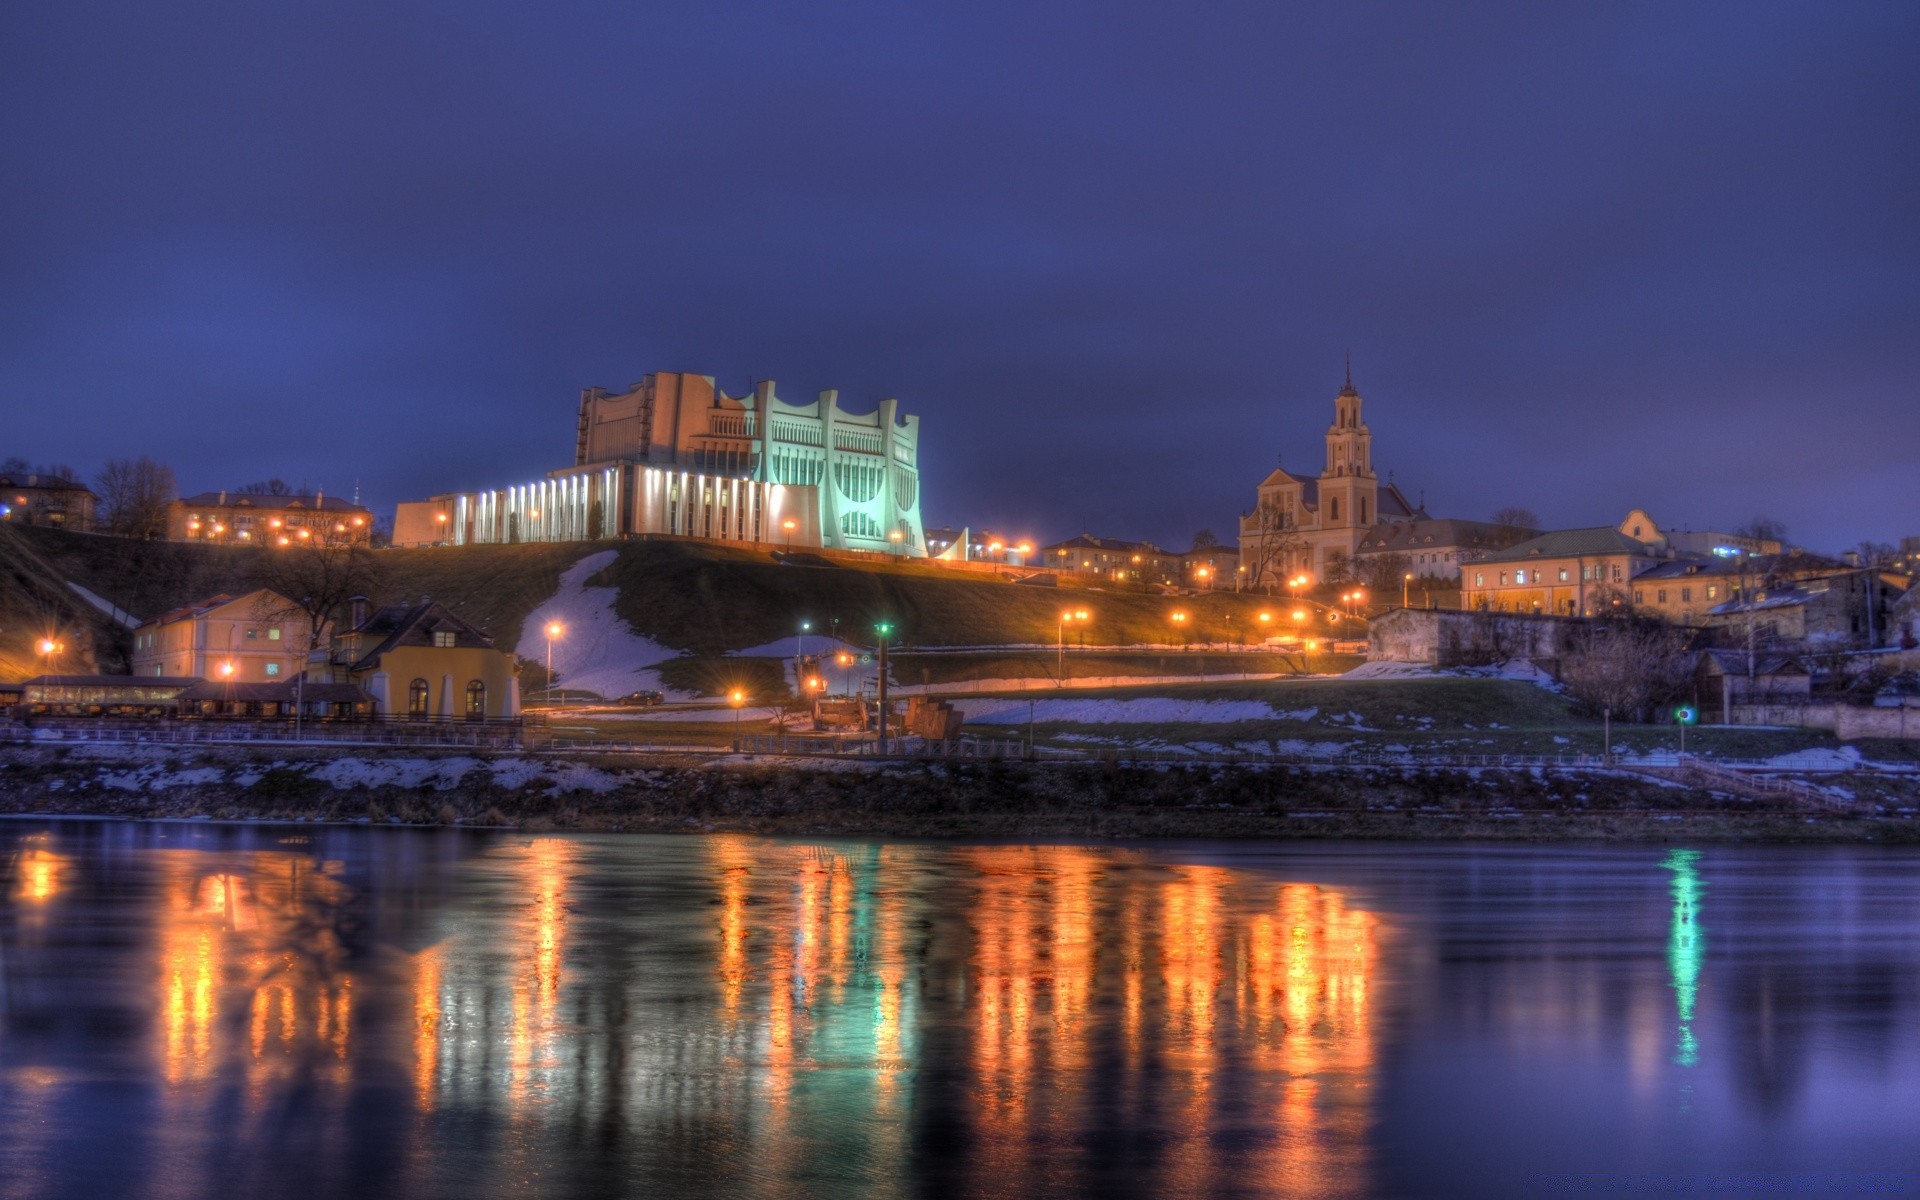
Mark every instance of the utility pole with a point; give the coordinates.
(883, 629)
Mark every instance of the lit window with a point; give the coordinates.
(1563, 574)
(273, 634)
(273, 669)
(1712, 591)
(443, 637)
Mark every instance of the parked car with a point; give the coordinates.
(646, 696)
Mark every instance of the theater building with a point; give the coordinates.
(675, 455)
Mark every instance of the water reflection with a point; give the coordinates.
(1686, 950)
(367, 1013)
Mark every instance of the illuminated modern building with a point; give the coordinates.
(675, 455)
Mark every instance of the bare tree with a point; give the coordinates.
(318, 574)
(1877, 554)
(1383, 573)
(134, 495)
(1206, 539)
(1275, 544)
(1514, 525)
(1762, 529)
(266, 487)
(1630, 668)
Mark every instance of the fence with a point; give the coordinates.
(498, 735)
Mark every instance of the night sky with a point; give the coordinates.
(1585, 256)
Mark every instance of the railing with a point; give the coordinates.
(900, 748)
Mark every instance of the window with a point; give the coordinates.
(1686, 594)
(476, 700)
(1712, 591)
(1479, 579)
(273, 633)
(273, 670)
(1616, 572)
(443, 638)
(1639, 597)
(252, 634)
(1503, 579)
(417, 699)
(1563, 574)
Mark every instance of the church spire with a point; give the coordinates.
(1348, 390)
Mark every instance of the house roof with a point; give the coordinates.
(321, 503)
(1764, 602)
(44, 483)
(1734, 662)
(1426, 533)
(397, 625)
(146, 681)
(1087, 541)
(200, 608)
(1572, 543)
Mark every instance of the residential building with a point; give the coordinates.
(1306, 524)
(1818, 614)
(1730, 677)
(1569, 572)
(676, 455)
(55, 501)
(423, 662)
(1903, 620)
(1431, 547)
(1846, 610)
(259, 637)
(1211, 568)
(245, 518)
(1113, 558)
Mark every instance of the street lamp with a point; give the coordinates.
(800, 648)
(1067, 617)
(1202, 574)
(1179, 620)
(1299, 620)
(896, 537)
(883, 630)
(789, 525)
(49, 647)
(554, 630)
(738, 699)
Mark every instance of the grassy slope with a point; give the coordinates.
(708, 599)
(493, 586)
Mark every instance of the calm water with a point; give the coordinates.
(205, 1010)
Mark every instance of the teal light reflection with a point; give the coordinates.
(1686, 949)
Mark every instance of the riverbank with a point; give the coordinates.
(994, 800)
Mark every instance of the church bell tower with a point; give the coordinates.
(1349, 490)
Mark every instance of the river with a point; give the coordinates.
(199, 1009)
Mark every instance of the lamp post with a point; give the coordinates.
(1179, 619)
(800, 649)
(554, 630)
(49, 647)
(789, 525)
(896, 537)
(1203, 574)
(738, 699)
(883, 629)
(1067, 617)
(1406, 582)
(1299, 626)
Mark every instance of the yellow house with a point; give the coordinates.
(421, 662)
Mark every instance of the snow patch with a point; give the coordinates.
(120, 615)
(597, 652)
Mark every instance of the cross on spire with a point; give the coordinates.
(1349, 369)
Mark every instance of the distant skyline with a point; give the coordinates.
(1585, 258)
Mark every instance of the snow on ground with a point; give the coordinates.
(597, 653)
(120, 615)
(1517, 669)
(1818, 758)
(1382, 669)
(441, 773)
(1155, 710)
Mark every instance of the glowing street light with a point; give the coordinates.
(788, 526)
(554, 630)
(226, 669)
(49, 647)
(738, 699)
(1406, 582)
(1068, 617)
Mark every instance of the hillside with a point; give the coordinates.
(685, 596)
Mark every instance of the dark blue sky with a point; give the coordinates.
(1585, 256)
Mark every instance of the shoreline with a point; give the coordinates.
(999, 800)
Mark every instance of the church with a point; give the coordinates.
(1303, 525)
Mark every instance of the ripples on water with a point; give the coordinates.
(197, 1010)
